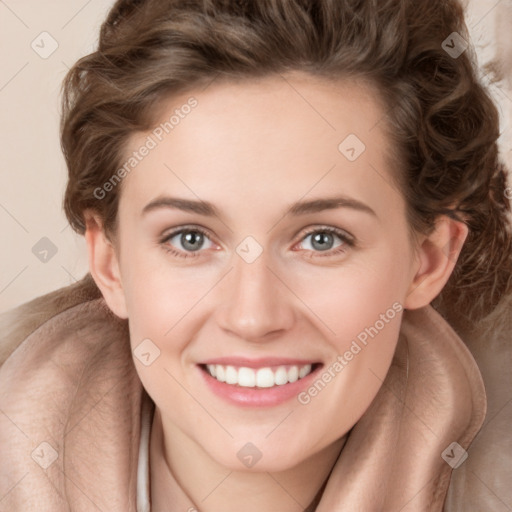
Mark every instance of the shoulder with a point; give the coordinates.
(21, 321)
(70, 398)
(483, 480)
(71, 326)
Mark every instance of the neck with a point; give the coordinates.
(184, 477)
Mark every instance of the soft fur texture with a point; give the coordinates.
(69, 380)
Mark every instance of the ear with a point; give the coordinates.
(104, 264)
(437, 256)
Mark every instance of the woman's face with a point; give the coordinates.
(261, 239)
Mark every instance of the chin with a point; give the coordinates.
(257, 457)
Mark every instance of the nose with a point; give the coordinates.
(259, 304)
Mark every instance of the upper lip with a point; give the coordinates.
(259, 362)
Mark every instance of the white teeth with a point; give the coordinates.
(231, 375)
(281, 376)
(293, 374)
(264, 378)
(220, 373)
(261, 378)
(246, 377)
(305, 370)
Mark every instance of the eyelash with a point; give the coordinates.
(346, 239)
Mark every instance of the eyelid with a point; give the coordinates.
(329, 229)
(172, 232)
(344, 236)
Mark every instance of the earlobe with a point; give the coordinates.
(104, 265)
(437, 256)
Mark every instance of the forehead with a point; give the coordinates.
(262, 142)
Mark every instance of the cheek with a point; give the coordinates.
(367, 327)
(158, 292)
(157, 309)
(362, 309)
(348, 299)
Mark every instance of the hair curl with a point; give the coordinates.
(441, 121)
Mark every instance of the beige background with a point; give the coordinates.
(33, 173)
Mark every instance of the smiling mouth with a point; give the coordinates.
(265, 377)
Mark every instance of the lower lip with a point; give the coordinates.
(257, 397)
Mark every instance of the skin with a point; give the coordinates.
(252, 149)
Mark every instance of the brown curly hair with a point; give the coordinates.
(441, 121)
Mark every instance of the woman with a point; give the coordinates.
(274, 195)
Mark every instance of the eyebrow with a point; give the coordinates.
(299, 208)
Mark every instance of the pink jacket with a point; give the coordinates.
(71, 402)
